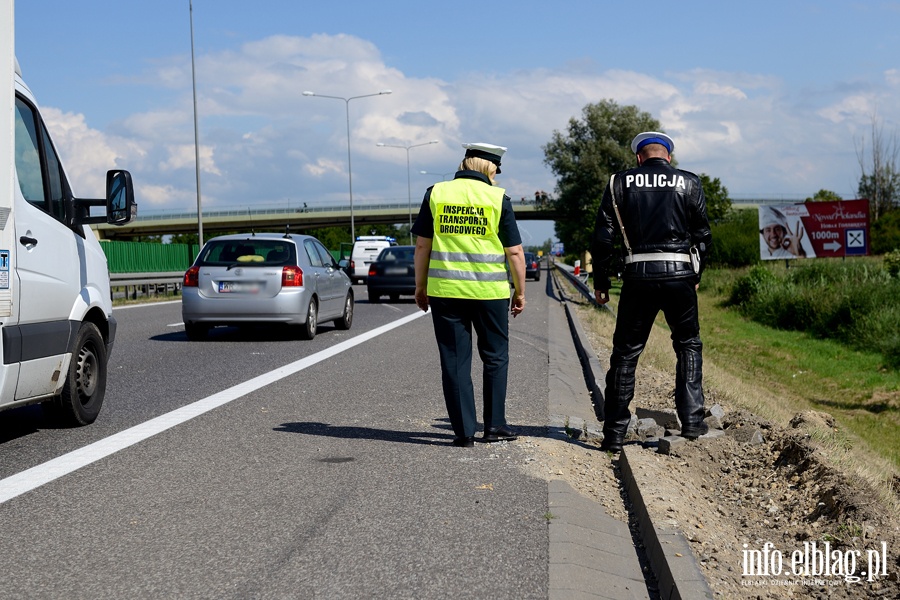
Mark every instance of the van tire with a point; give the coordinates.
(309, 327)
(85, 386)
(346, 319)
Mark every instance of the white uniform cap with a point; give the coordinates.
(486, 151)
(652, 137)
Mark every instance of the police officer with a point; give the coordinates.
(660, 214)
(467, 232)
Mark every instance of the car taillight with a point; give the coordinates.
(372, 271)
(192, 277)
(291, 276)
(352, 265)
(534, 265)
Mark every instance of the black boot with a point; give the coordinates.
(619, 392)
(689, 393)
(612, 443)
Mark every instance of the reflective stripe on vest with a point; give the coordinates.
(467, 258)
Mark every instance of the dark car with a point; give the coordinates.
(532, 266)
(393, 274)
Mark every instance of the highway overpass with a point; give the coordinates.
(276, 219)
(216, 221)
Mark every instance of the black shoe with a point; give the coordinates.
(499, 434)
(612, 443)
(464, 442)
(692, 432)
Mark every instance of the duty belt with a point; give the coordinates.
(658, 256)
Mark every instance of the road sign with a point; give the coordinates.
(814, 230)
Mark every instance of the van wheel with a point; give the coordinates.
(82, 394)
(346, 319)
(308, 329)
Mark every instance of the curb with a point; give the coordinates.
(673, 562)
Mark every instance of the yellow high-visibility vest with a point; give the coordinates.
(467, 257)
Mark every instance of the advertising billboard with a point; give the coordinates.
(814, 230)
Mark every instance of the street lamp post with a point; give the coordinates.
(443, 175)
(349, 169)
(408, 183)
(196, 130)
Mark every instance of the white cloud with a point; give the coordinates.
(87, 153)
(184, 157)
(263, 141)
(322, 167)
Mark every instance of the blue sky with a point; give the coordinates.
(774, 98)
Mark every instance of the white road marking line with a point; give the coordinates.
(145, 304)
(25, 481)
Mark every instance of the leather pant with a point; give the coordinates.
(640, 302)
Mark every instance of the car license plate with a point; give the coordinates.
(239, 287)
(395, 271)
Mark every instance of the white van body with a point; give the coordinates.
(366, 249)
(56, 323)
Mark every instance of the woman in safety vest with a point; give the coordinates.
(467, 232)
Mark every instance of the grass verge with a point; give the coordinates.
(776, 374)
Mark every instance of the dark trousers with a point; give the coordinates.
(453, 321)
(639, 304)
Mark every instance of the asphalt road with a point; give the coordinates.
(331, 476)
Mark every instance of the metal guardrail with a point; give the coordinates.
(579, 281)
(129, 279)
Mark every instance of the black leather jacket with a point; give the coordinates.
(663, 210)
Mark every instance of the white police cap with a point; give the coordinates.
(486, 151)
(651, 137)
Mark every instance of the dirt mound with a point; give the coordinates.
(763, 517)
(767, 514)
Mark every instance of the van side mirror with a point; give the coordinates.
(120, 205)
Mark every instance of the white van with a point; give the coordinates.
(366, 249)
(56, 323)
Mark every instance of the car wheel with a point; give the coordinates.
(308, 329)
(346, 319)
(196, 332)
(538, 276)
(82, 394)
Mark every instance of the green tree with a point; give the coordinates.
(825, 196)
(717, 201)
(735, 239)
(583, 157)
(886, 233)
(879, 181)
(186, 238)
(331, 237)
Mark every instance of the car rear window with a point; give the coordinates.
(396, 254)
(248, 252)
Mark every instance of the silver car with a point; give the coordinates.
(265, 278)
